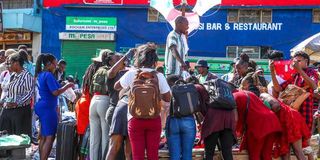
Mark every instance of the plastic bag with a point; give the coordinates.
(70, 95)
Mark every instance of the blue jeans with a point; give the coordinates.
(181, 133)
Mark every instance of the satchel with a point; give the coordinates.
(294, 96)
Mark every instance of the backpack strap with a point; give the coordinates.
(296, 82)
(155, 74)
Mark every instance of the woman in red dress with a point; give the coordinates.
(294, 131)
(257, 124)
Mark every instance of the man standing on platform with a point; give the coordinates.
(176, 47)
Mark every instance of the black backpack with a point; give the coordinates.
(220, 94)
(185, 100)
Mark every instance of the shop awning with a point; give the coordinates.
(21, 20)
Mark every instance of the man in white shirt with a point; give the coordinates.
(176, 47)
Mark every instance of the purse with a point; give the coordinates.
(294, 96)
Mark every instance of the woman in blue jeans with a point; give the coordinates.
(180, 132)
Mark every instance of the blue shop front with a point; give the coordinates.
(77, 32)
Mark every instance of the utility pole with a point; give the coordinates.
(184, 4)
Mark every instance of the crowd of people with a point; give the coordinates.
(261, 123)
(111, 119)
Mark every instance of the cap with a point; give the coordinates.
(202, 63)
(100, 57)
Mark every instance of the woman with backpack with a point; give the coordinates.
(46, 107)
(144, 126)
(99, 129)
(180, 130)
(82, 108)
(218, 127)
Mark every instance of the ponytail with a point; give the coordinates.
(42, 61)
(244, 60)
(39, 64)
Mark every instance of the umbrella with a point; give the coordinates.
(311, 46)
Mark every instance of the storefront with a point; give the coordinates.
(78, 49)
(14, 39)
(21, 26)
(249, 26)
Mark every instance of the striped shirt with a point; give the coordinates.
(171, 64)
(21, 88)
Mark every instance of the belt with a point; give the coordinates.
(14, 107)
(99, 94)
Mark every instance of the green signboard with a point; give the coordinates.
(91, 23)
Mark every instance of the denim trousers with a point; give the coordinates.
(180, 134)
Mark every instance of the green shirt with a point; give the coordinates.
(203, 79)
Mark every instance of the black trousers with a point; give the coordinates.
(226, 140)
(17, 120)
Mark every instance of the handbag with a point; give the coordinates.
(294, 96)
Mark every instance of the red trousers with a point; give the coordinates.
(144, 135)
(260, 149)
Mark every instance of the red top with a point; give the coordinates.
(82, 113)
(260, 120)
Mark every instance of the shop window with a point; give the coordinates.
(233, 16)
(254, 52)
(249, 16)
(155, 16)
(266, 16)
(15, 4)
(316, 16)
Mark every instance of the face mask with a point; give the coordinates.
(266, 103)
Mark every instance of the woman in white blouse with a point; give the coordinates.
(16, 117)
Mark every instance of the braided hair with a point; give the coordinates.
(42, 61)
(91, 70)
(146, 56)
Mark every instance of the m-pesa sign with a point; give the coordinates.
(87, 36)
